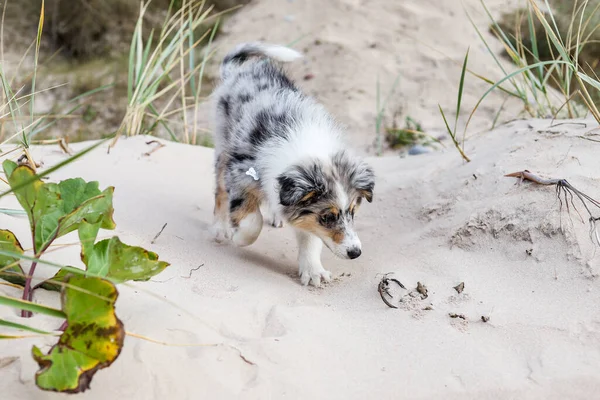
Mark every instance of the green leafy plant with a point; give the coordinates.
(92, 335)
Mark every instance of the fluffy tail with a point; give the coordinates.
(256, 49)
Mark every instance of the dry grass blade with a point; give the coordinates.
(163, 68)
(380, 109)
(452, 132)
(30, 306)
(14, 325)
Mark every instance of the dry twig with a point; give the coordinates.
(384, 289)
(192, 270)
(159, 145)
(158, 234)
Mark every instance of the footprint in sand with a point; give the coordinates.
(274, 327)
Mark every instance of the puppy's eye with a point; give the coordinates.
(304, 213)
(329, 218)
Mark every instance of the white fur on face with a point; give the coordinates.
(351, 240)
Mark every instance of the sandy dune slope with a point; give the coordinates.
(532, 270)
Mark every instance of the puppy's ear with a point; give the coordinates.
(301, 185)
(357, 174)
(363, 180)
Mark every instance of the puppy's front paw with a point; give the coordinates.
(314, 274)
(221, 231)
(275, 221)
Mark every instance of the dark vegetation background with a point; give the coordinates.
(86, 44)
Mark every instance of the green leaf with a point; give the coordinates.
(120, 262)
(30, 306)
(87, 236)
(92, 340)
(25, 194)
(461, 86)
(10, 270)
(85, 201)
(57, 209)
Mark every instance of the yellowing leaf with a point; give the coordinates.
(92, 340)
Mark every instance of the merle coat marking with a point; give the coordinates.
(307, 177)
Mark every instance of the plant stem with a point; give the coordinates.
(27, 292)
(64, 325)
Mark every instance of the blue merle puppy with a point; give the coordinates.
(278, 148)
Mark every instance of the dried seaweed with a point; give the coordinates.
(566, 193)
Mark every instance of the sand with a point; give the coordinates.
(527, 266)
(432, 221)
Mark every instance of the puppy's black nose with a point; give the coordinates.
(354, 253)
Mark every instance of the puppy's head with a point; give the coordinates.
(322, 198)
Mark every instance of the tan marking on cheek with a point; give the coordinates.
(309, 224)
(337, 236)
(313, 226)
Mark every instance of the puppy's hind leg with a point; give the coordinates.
(245, 216)
(309, 259)
(221, 229)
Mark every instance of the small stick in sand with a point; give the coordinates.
(569, 123)
(63, 143)
(192, 270)
(160, 145)
(158, 234)
(564, 190)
